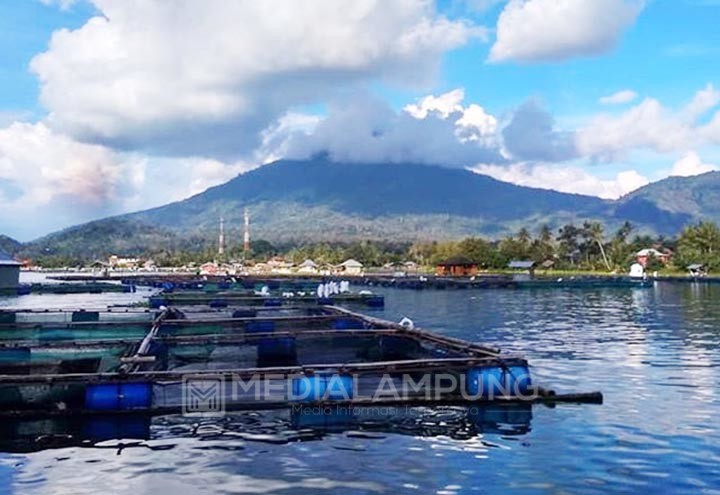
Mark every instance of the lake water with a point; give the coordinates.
(654, 353)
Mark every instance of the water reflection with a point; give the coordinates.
(654, 353)
(303, 423)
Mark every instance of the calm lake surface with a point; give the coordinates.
(654, 353)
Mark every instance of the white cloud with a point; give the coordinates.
(445, 104)
(49, 181)
(435, 130)
(619, 98)
(548, 30)
(205, 77)
(703, 101)
(649, 125)
(691, 164)
(473, 123)
(569, 179)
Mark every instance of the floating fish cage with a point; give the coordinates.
(228, 299)
(69, 288)
(259, 358)
(123, 323)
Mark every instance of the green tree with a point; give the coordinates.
(568, 245)
(699, 244)
(478, 250)
(595, 233)
(543, 248)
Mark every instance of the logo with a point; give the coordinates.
(204, 395)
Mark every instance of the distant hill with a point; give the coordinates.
(697, 197)
(95, 240)
(319, 200)
(9, 245)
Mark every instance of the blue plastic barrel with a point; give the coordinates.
(155, 302)
(218, 303)
(322, 387)
(272, 302)
(325, 301)
(494, 381)
(118, 396)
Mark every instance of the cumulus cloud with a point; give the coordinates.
(649, 125)
(204, 78)
(551, 30)
(619, 98)
(570, 179)
(691, 164)
(49, 181)
(434, 130)
(532, 135)
(704, 100)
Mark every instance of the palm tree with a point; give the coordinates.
(595, 232)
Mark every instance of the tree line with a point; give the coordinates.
(586, 246)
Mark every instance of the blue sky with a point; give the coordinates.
(134, 104)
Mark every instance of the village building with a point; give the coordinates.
(645, 255)
(209, 268)
(527, 267)
(118, 262)
(350, 267)
(457, 266)
(9, 272)
(308, 266)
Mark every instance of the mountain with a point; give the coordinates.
(696, 197)
(320, 200)
(9, 245)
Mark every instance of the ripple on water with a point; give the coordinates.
(654, 353)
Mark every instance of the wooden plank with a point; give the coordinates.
(417, 401)
(411, 365)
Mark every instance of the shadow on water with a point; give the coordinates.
(300, 424)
